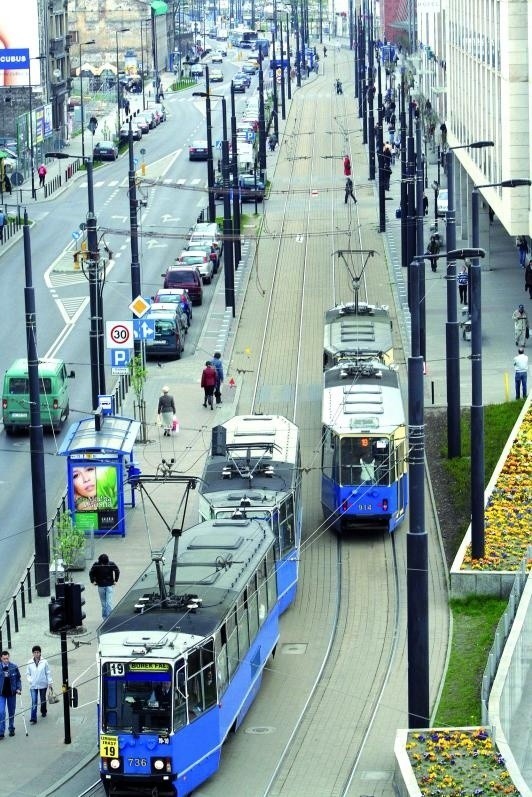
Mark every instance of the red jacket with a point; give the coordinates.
(208, 377)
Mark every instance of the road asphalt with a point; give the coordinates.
(42, 763)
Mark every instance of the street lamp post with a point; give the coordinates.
(237, 253)
(283, 71)
(82, 44)
(452, 337)
(121, 30)
(228, 224)
(417, 538)
(96, 337)
(32, 164)
(477, 409)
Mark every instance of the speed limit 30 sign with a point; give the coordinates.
(119, 334)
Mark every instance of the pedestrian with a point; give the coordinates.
(521, 373)
(528, 278)
(522, 248)
(11, 687)
(2, 225)
(349, 191)
(339, 89)
(425, 204)
(41, 171)
(126, 107)
(272, 142)
(7, 184)
(491, 214)
(463, 281)
(218, 365)
(105, 575)
(521, 328)
(386, 172)
(347, 166)
(433, 248)
(166, 410)
(40, 680)
(324, 51)
(208, 383)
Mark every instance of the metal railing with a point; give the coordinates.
(23, 596)
(502, 633)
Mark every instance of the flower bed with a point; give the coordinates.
(457, 762)
(509, 508)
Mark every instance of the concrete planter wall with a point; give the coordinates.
(496, 583)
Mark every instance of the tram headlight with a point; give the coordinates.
(161, 765)
(158, 764)
(114, 763)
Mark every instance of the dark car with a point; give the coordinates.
(198, 151)
(244, 45)
(169, 337)
(187, 277)
(250, 189)
(240, 84)
(243, 76)
(105, 151)
(136, 133)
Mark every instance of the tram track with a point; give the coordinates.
(353, 654)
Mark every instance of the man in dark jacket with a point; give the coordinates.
(217, 364)
(105, 575)
(10, 687)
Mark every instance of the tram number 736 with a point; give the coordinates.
(137, 762)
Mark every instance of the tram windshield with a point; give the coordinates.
(137, 701)
(365, 460)
(256, 512)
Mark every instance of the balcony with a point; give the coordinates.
(57, 47)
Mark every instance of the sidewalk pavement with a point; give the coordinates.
(52, 762)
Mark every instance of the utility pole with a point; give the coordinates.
(133, 229)
(38, 481)
(237, 253)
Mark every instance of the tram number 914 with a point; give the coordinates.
(365, 507)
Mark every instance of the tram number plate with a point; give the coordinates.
(365, 507)
(137, 762)
(109, 746)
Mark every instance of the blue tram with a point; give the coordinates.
(357, 330)
(364, 448)
(254, 471)
(182, 655)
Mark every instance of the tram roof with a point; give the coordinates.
(258, 459)
(215, 562)
(366, 330)
(362, 397)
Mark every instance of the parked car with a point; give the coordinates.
(206, 247)
(198, 151)
(249, 68)
(442, 202)
(210, 231)
(217, 57)
(240, 85)
(175, 296)
(151, 117)
(105, 151)
(136, 132)
(160, 110)
(187, 277)
(250, 188)
(216, 76)
(243, 76)
(202, 261)
(178, 312)
(143, 124)
(168, 340)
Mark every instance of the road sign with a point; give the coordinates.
(76, 235)
(218, 144)
(139, 306)
(143, 330)
(119, 334)
(120, 358)
(106, 404)
(119, 371)
(250, 136)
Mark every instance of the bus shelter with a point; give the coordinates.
(98, 462)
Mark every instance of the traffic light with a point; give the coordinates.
(74, 603)
(56, 615)
(93, 124)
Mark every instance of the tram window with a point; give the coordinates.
(327, 453)
(272, 579)
(262, 591)
(335, 443)
(275, 530)
(180, 696)
(221, 662)
(243, 631)
(253, 612)
(232, 643)
(287, 527)
(125, 705)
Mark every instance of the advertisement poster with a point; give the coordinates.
(19, 29)
(94, 495)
